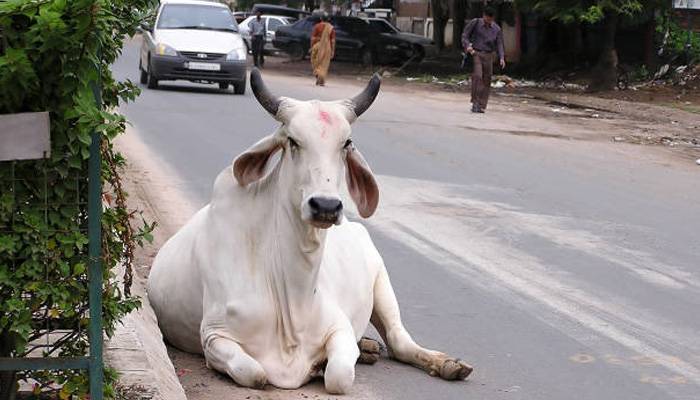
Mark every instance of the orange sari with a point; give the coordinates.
(322, 50)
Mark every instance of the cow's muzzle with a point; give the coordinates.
(325, 211)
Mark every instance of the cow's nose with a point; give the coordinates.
(325, 209)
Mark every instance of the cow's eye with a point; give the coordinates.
(347, 143)
(293, 143)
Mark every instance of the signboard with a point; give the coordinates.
(686, 4)
(24, 136)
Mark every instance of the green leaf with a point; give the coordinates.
(79, 269)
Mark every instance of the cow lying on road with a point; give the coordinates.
(269, 280)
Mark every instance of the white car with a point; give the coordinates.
(193, 40)
(272, 22)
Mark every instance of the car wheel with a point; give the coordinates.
(239, 88)
(152, 81)
(143, 78)
(367, 58)
(223, 85)
(296, 52)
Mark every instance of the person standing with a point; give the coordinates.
(322, 49)
(257, 33)
(483, 39)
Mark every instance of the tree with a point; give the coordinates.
(441, 13)
(459, 11)
(606, 12)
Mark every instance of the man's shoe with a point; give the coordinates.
(480, 110)
(475, 109)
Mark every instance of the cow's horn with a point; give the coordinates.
(360, 103)
(266, 99)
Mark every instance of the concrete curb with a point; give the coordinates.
(137, 352)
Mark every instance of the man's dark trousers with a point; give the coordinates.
(481, 78)
(258, 45)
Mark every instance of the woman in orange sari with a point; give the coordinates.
(322, 49)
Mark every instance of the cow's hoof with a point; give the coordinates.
(370, 350)
(455, 369)
(259, 383)
(250, 375)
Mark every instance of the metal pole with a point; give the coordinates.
(95, 273)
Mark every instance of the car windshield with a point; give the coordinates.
(382, 26)
(190, 16)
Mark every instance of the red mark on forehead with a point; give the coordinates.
(326, 119)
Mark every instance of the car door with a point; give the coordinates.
(346, 46)
(272, 24)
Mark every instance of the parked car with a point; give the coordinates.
(196, 41)
(424, 46)
(272, 22)
(356, 40)
(273, 9)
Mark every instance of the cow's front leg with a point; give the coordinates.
(342, 353)
(225, 355)
(387, 319)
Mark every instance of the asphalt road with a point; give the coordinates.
(561, 269)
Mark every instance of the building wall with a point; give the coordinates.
(511, 40)
(413, 8)
(681, 17)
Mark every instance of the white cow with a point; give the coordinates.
(269, 280)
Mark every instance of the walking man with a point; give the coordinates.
(483, 39)
(257, 33)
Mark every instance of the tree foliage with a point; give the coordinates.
(583, 11)
(51, 53)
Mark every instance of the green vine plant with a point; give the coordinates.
(675, 39)
(52, 53)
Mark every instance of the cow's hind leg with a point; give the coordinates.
(225, 355)
(387, 319)
(369, 351)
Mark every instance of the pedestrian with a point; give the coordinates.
(257, 33)
(483, 39)
(322, 49)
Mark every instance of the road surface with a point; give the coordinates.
(561, 269)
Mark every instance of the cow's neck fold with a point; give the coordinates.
(295, 255)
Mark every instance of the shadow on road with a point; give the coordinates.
(190, 88)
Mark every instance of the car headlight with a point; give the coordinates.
(164, 50)
(236, 54)
(392, 47)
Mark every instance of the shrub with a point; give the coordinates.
(51, 51)
(676, 39)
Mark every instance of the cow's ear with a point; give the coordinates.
(361, 183)
(249, 166)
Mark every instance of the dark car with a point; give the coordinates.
(425, 47)
(273, 9)
(356, 40)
